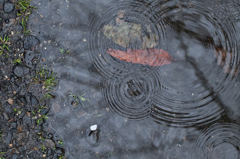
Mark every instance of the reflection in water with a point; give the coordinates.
(106, 34)
(197, 102)
(190, 91)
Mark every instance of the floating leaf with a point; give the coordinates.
(124, 33)
(151, 57)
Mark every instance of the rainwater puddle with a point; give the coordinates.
(160, 79)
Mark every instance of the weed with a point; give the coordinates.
(41, 119)
(82, 99)
(24, 24)
(1, 153)
(33, 112)
(61, 157)
(110, 154)
(25, 9)
(19, 111)
(41, 108)
(17, 61)
(48, 80)
(0, 135)
(39, 136)
(75, 97)
(43, 148)
(62, 50)
(79, 98)
(4, 43)
(60, 142)
(47, 96)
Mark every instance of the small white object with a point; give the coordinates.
(93, 127)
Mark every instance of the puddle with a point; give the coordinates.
(182, 103)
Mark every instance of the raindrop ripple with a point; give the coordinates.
(134, 13)
(212, 137)
(191, 89)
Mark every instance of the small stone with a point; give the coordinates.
(5, 116)
(59, 151)
(26, 119)
(93, 127)
(21, 136)
(8, 23)
(28, 114)
(19, 128)
(15, 156)
(10, 145)
(8, 7)
(30, 42)
(19, 71)
(34, 100)
(8, 138)
(44, 155)
(49, 143)
(10, 101)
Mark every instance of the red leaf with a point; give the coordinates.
(152, 57)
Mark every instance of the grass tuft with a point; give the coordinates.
(78, 98)
(17, 61)
(24, 10)
(4, 44)
(49, 81)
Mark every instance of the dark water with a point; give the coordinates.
(184, 110)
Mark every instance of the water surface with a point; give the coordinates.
(186, 109)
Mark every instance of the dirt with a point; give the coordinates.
(24, 132)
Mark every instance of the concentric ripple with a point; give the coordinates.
(206, 53)
(220, 140)
(203, 44)
(130, 96)
(107, 32)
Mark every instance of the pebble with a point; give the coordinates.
(8, 7)
(93, 127)
(30, 41)
(19, 71)
(10, 101)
